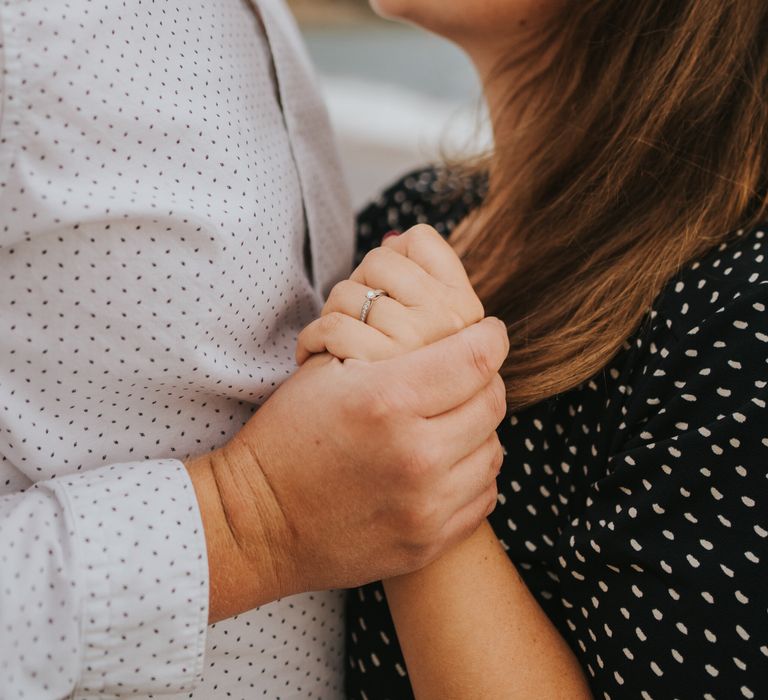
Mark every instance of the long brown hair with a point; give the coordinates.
(647, 147)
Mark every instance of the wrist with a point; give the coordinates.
(245, 545)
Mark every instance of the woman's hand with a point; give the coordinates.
(430, 297)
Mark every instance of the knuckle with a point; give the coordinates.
(498, 397)
(423, 232)
(304, 333)
(455, 322)
(424, 242)
(499, 462)
(467, 305)
(373, 399)
(414, 337)
(415, 556)
(374, 258)
(416, 518)
(370, 255)
(421, 522)
(421, 327)
(475, 309)
(490, 461)
(334, 297)
(385, 394)
(493, 501)
(420, 465)
(331, 322)
(494, 464)
(476, 355)
(378, 407)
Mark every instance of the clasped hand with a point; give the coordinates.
(379, 453)
(429, 298)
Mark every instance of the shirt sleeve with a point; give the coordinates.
(664, 572)
(103, 584)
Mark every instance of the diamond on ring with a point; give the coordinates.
(370, 297)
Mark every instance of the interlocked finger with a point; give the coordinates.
(386, 314)
(346, 338)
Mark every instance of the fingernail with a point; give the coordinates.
(389, 235)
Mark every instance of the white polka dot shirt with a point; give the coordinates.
(171, 215)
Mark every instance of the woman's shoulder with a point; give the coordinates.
(702, 352)
(434, 195)
(731, 278)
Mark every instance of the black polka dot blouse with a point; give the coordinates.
(171, 215)
(636, 505)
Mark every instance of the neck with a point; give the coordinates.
(511, 109)
(514, 81)
(514, 86)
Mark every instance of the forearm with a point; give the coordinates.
(470, 628)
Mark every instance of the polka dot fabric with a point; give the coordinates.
(635, 505)
(171, 213)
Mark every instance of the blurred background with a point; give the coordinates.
(398, 97)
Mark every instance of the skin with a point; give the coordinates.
(415, 491)
(429, 297)
(354, 471)
(487, 30)
(422, 485)
(472, 599)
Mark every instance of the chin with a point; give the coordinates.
(471, 21)
(394, 9)
(437, 16)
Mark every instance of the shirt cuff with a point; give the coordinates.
(141, 552)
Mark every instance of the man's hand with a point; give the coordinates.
(355, 471)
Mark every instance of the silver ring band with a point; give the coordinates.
(372, 296)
